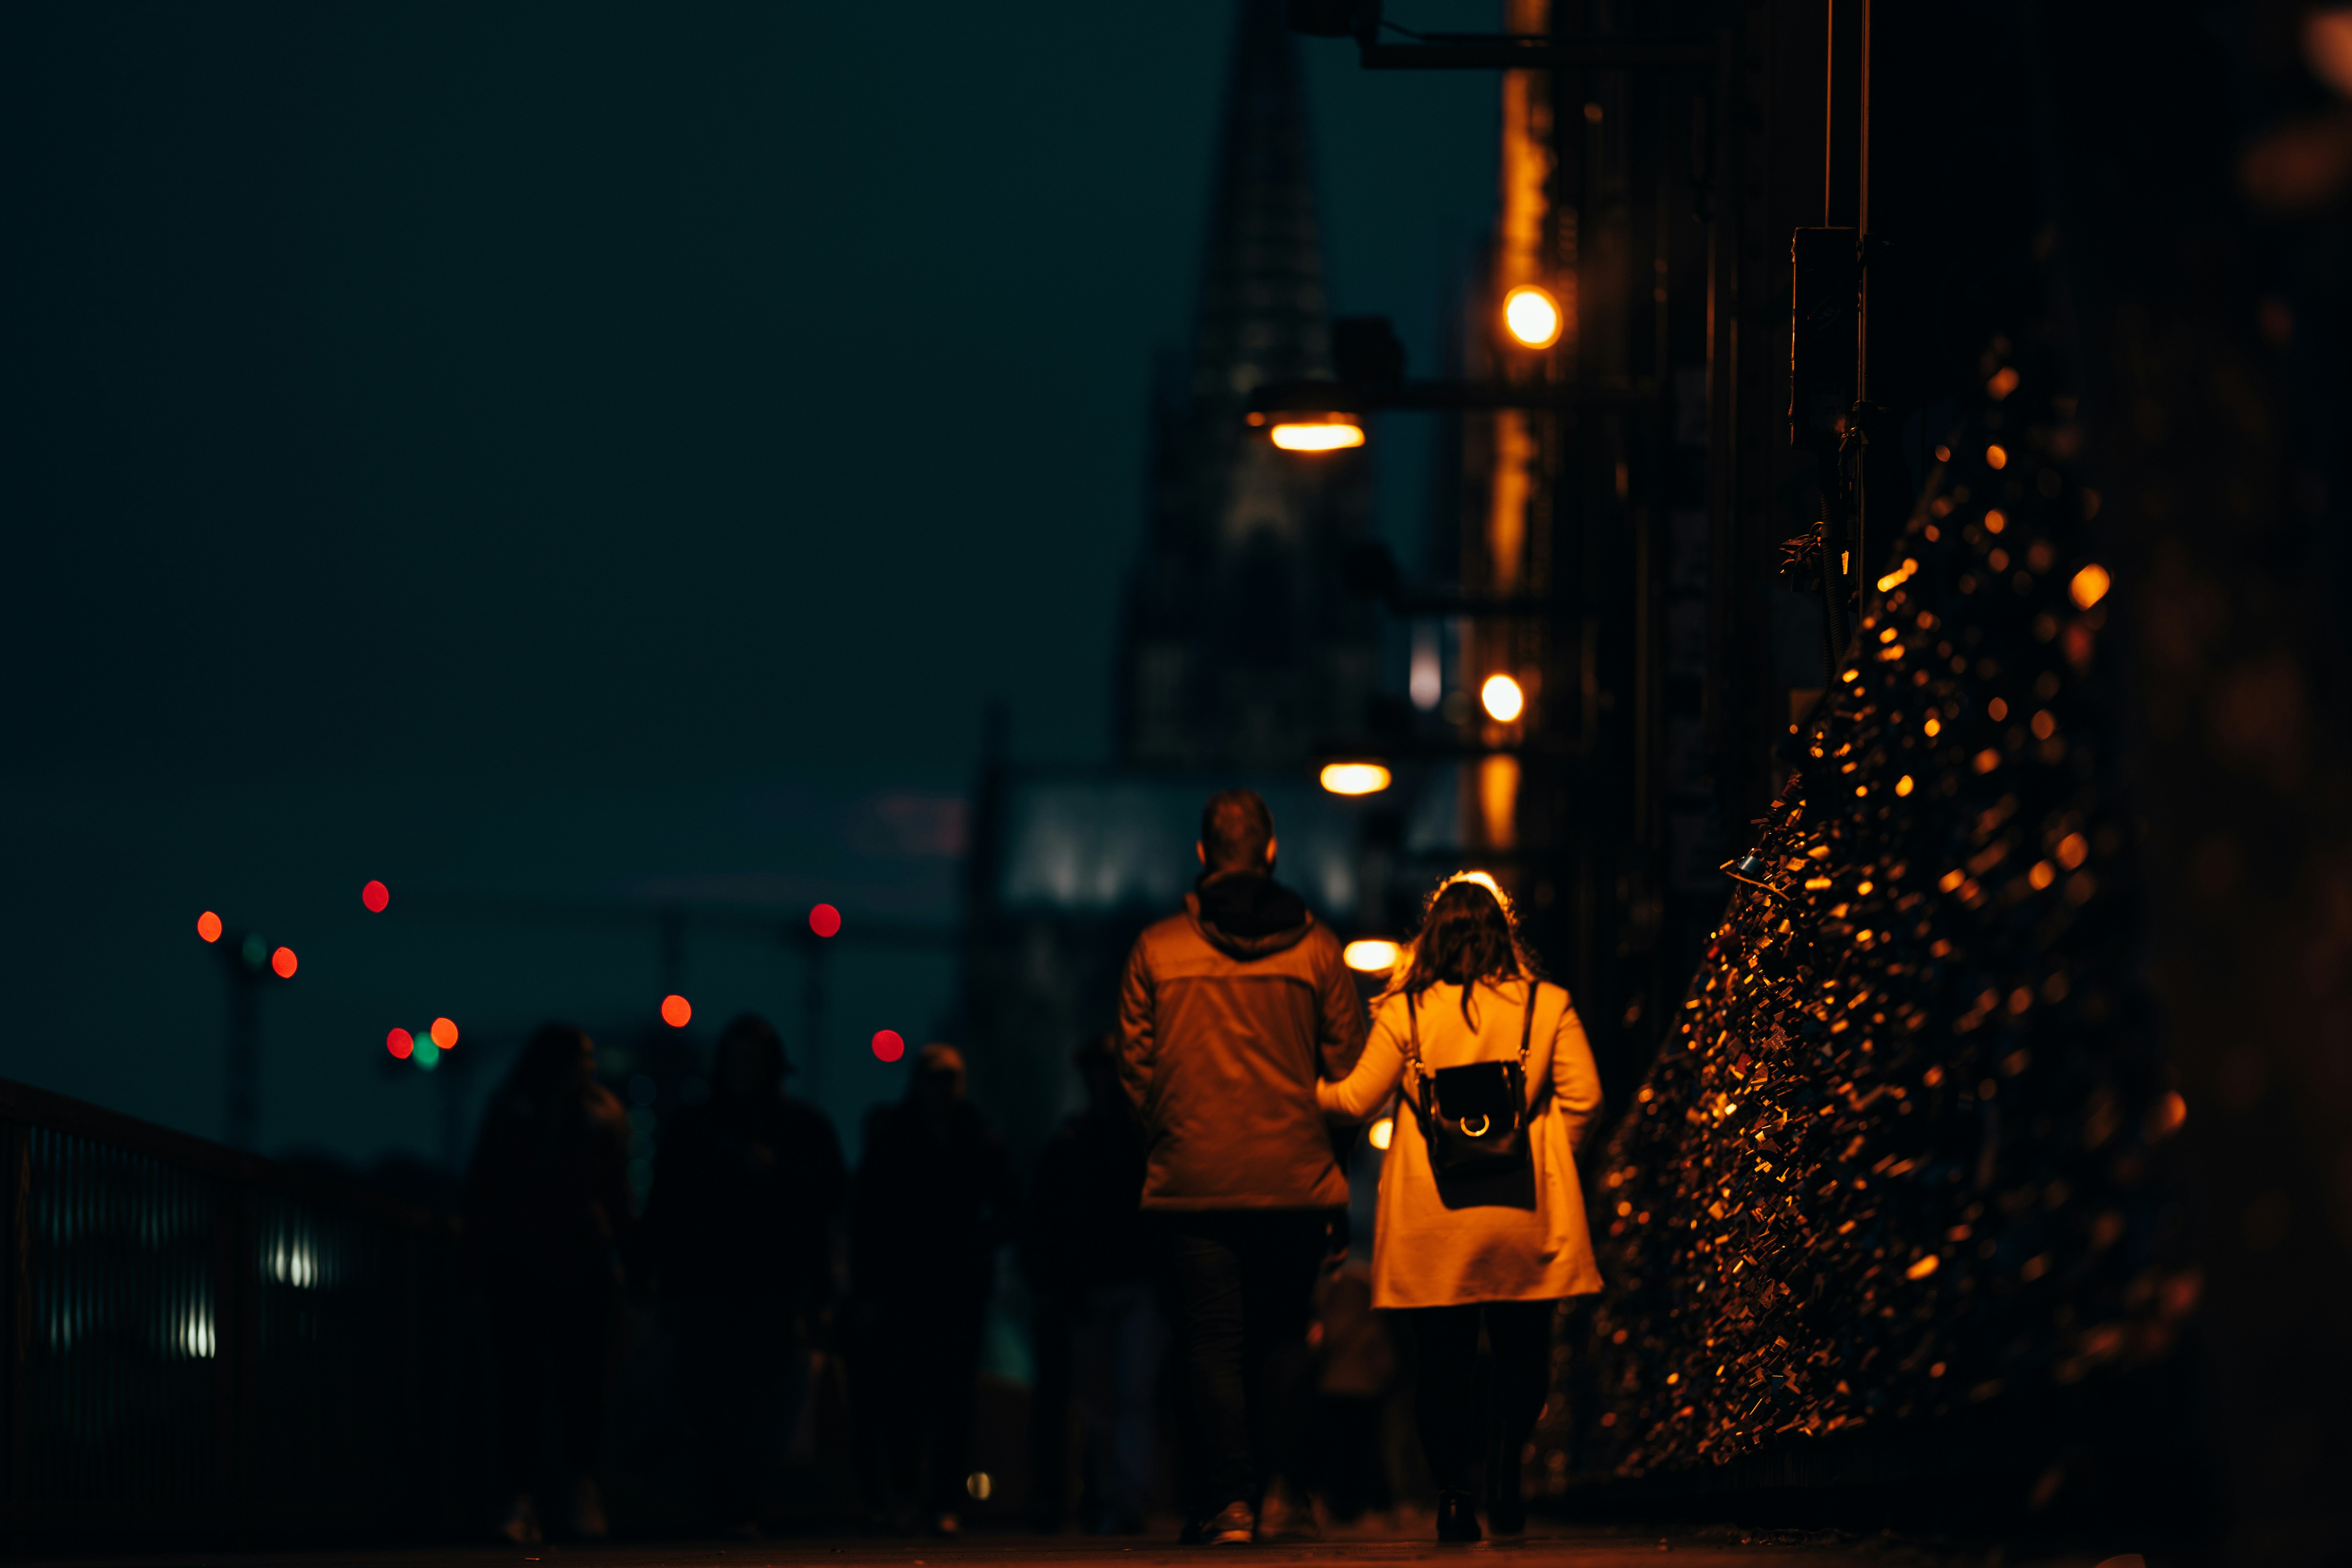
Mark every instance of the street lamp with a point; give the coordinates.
(1532, 316)
(1502, 699)
(1355, 778)
(1330, 431)
(1371, 955)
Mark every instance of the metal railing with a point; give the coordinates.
(201, 1339)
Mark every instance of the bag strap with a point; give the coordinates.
(1413, 1051)
(1527, 1024)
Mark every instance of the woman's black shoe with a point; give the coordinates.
(1458, 1519)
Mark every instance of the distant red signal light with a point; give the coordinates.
(676, 1012)
(376, 897)
(400, 1043)
(889, 1045)
(443, 1033)
(824, 920)
(284, 962)
(208, 926)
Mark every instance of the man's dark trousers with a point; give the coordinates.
(1243, 1284)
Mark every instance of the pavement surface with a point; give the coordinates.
(1624, 1547)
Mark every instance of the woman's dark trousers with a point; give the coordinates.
(1458, 1426)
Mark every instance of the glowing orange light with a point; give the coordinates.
(1532, 316)
(1383, 1132)
(1355, 778)
(1997, 457)
(284, 962)
(677, 1011)
(2090, 586)
(400, 1043)
(1502, 699)
(1329, 436)
(889, 1045)
(443, 1033)
(376, 897)
(1924, 1267)
(2002, 383)
(208, 926)
(1371, 955)
(824, 920)
(1903, 785)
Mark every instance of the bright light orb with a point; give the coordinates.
(445, 1032)
(2090, 586)
(1502, 699)
(1532, 316)
(824, 920)
(1372, 955)
(284, 962)
(400, 1043)
(677, 1011)
(1330, 435)
(208, 926)
(1355, 778)
(889, 1044)
(1383, 1132)
(376, 897)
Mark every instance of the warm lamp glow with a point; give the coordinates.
(1383, 1132)
(376, 897)
(2090, 586)
(443, 1033)
(1532, 316)
(284, 962)
(1372, 955)
(1502, 698)
(208, 926)
(677, 1011)
(1355, 778)
(1327, 437)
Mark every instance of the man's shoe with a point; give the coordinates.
(1235, 1525)
(1458, 1519)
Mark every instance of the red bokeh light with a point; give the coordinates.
(284, 962)
(208, 926)
(824, 920)
(400, 1043)
(889, 1044)
(445, 1032)
(376, 897)
(677, 1011)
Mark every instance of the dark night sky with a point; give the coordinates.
(489, 446)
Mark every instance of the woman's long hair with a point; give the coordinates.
(1467, 934)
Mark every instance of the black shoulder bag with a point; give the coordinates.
(1474, 1118)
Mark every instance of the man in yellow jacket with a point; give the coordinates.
(1228, 1013)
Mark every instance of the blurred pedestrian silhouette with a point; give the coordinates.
(1096, 1324)
(1345, 1458)
(933, 1200)
(548, 1212)
(1227, 1014)
(747, 1194)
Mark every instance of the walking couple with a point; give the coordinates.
(1241, 1043)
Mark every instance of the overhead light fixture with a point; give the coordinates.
(1532, 316)
(1355, 778)
(1330, 434)
(1502, 699)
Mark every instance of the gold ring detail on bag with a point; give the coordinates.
(1477, 1131)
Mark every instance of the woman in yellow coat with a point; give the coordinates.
(1449, 1250)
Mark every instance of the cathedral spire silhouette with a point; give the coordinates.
(1241, 653)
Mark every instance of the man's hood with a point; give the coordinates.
(1248, 914)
